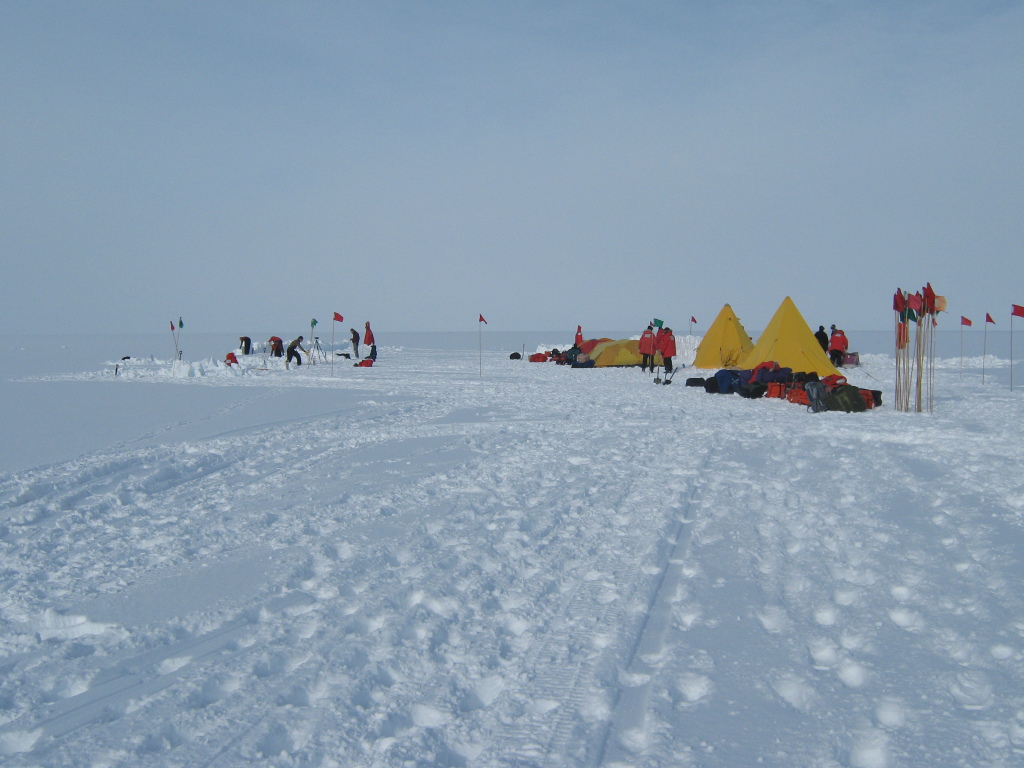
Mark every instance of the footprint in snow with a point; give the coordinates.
(906, 619)
(693, 687)
(971, 689)
(870, 749)
(826, 616)
(824, 653)
(796, 692)
(1001, 652)
(773, 618)
(890, 713)
(852, 674)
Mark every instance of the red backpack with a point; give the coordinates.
(833, 380)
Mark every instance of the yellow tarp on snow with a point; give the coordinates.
(725, 343)
(788, 341)
(622, 352)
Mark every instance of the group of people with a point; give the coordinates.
(277, 348)
(836, 345)
(652, 342)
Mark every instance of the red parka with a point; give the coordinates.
(646, 344)
(368, 335)
(839, 342)
(668, 344)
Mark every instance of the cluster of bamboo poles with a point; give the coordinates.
(915, 362)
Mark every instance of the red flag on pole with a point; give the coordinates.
(1016, 309)
(693, 319)
(338, 318)
(172, 326)
(481, 320)
(988, 319)
(899, 302)
(929, 298)
(964, 321)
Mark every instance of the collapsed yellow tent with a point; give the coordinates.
(788, 341)
(623, 352)
(725, 343)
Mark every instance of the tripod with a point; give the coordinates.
(316, 352)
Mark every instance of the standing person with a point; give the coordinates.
(667, 347)
(646, 348)
(276, 346)
(579, 335)
(837, 347)
(822, 338)
(296, 343)
(245, 344)
(368, 339)
(355, 343)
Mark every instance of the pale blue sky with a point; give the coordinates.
(252, 165)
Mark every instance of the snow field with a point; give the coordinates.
(540, 566)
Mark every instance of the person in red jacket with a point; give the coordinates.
(837, 346)
(646, 347)
(370, 342)
(667, 347)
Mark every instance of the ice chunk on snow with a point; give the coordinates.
(13, 742)
(428, 717)
(488, 689)
(62, 626)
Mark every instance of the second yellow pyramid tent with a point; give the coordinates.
(789, 342)
(725, 343)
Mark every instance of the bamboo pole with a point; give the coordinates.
(984, 350)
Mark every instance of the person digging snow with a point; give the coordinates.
(296, 344)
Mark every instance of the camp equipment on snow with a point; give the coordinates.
(797, 396)
(845, 398)
(816, 392)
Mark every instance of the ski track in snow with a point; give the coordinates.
(540, 567)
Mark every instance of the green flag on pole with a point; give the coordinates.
(658, 323)
(312, 323)
(180, 323)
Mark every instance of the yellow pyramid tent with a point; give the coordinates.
(725, 342)
(788, 341)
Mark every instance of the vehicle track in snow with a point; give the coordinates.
(626, 726)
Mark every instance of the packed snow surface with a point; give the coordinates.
(456, 559)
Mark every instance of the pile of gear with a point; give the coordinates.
(768, 379)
